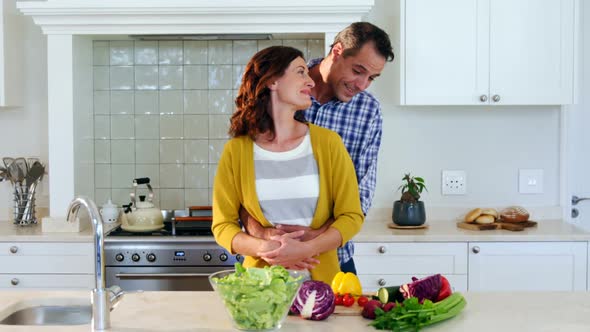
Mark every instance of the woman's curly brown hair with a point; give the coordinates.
(252, 116)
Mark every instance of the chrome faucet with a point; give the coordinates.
(103, 299)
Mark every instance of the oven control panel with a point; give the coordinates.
(159, 254)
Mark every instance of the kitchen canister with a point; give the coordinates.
(109, 212)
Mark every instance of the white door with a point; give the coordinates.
(576, 133)
(527, 266)
(441, 43)
(530, 41)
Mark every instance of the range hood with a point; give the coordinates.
(65, 21)
(233, 36)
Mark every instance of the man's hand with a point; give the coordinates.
(291, 253)
(255, 229)
(308, 232)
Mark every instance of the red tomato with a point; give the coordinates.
(338, 300)
(445, 289)
(362, 301)
(348, 301)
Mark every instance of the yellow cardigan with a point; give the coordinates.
(339, 198)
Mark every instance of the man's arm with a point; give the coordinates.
(255, 229)
(367, 163)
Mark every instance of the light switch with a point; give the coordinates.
(530, 181)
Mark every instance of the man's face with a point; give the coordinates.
(353, 74)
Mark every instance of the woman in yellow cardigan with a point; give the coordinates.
(284, 171)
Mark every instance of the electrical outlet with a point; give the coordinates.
(530, 181)
(454, 182)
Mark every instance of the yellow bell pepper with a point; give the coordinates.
(346, 283)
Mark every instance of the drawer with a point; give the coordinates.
(47, 281)
(372, 282)
(64, 258)
(411, 258)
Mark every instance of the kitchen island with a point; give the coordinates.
(203, 311)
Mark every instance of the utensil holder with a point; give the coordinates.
(24, 205)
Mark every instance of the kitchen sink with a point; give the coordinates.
(50, 315)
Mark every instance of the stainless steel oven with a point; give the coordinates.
(162, 261)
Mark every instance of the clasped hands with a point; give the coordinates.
(288, 246)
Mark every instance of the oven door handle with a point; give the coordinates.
(160, 275)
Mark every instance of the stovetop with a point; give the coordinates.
(183, 229)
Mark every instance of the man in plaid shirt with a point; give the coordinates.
(340, 103)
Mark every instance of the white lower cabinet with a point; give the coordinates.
(390, 264)
(42, 265)
(527, 266)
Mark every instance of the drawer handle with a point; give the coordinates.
(475, 250)
(381, 282)
(382, 249)
(14, 281)
(14, 249)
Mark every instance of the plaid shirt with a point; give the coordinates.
(359, 123)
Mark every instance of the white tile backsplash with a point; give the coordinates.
(122, 102)
(147, 127)
(170, 52)
(220, 52)
(146, 52)
(220, 77)
(146, 77)
(122, 127)
(171, 176)
(161, 110)
(147, 102)
(122, 176)
(102, 102)
(221, 102)
(122, 77)
(147, 151)
(195, 52)
(171, 102)
(123, 151)
(171, 151)
(122, 53)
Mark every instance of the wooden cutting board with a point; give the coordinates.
(341, 310)
(515, 227)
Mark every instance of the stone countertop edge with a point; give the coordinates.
(204, 311)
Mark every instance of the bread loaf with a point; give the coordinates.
(472, 215)
(490, 212)
(485, 219)
(514, 214)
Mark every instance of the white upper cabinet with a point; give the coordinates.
(486, 52)
(11, 55)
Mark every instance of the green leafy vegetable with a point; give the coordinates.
(258, 298)
(411, 315)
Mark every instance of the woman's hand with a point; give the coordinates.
(291, 252)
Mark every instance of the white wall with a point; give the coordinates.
(23, 132)
(489, 143)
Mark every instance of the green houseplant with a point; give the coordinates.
(409, 210)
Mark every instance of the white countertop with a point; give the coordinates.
(33, 233)
(203, 311)
(374, 230)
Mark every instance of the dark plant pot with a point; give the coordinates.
(408, 214)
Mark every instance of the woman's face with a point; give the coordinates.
(294, 87)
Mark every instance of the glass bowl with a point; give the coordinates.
(260, 305)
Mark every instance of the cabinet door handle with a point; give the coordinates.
(14, 281)
(14, 249)
(381, 282)
(483, 98)
(382, 249)
(496, 98)
(475, 250)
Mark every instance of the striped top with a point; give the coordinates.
(287, 184)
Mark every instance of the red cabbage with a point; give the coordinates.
(315, 300)
(425, 288)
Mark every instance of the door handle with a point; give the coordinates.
(576, 199)
(161, 275)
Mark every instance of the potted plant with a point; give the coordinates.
(409, 210)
